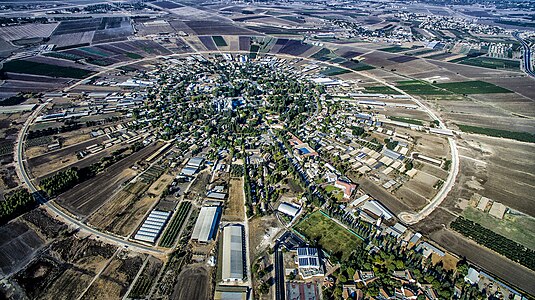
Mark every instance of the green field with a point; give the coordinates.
(133, 55)
(30, 67)
(172, 230)
(472, 87)
(381, 90)
(323, 55)
(332, 71)
(519, 136)
(407, 120)
(330, 236)
(520, 229)
(492, 63)
(64, 55)
(219, 41)
(395, 49)
(417, 87)
(253, 51)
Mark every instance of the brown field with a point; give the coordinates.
(193, 283)
(234, 208)
(70, 284)
(500, 169)
(159, 185)
(122, 213)
(378, 192)
(431, 145)
(114, 281)
(88, 196)
(417, 191)
(260, 228)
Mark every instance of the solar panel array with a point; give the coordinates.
(153, 226)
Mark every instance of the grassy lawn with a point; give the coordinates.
(520, 229)
(336, 192)
(519, 136)
(30, 67)
(330, 236)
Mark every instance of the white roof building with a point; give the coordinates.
(233, 253)
(289, 209)
(206, 225)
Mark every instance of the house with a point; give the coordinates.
(364, 277)
(347, 187)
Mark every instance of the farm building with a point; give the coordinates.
(377, 210)
(195, 162)
(206, 226)
(233, 253)
(153, 226)
(308, 262)
(289, 209)
(188, 171)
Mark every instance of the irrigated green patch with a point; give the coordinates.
(332, 71)
(133, 55)
(330, 236)
(407, 120)
(472, 87)
(417, 87)
(519, 136)
(492, 63)
(30, 67)
(219, 41)
(381, 90)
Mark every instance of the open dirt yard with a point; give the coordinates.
(431, 145)
(88, 196)
(193, 283)
(261, 231)
(234, 208)
(159, 186)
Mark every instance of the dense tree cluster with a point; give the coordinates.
(15, 204)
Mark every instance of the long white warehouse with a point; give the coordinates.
(233, 253)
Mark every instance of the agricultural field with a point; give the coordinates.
(518, 228)
(18, 244)
(519, 136)
(193, 283)
(122, 212)
(320, 229)
(492, 63)
(28, 31)
(234, 208)
(84, 199)
(407, 120)
(27, 67)
(160, 185)
(116, 277)
(173, 229)
(219, 41)
(145, 281)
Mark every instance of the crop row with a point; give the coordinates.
(174, 227)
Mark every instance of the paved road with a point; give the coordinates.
(526, 58)
(279, 274)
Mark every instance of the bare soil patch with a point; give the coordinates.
(234, 208)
